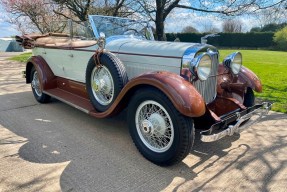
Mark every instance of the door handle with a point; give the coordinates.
(71, 55)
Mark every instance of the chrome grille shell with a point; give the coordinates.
(208, 88)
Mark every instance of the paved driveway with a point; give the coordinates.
(54, 147)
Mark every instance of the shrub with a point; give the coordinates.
(280, 38)
(238, 40)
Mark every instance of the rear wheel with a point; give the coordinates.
(37, 88)
(159, 131)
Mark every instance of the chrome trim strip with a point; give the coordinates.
(115, 52)
(260, 113)
(147, 55)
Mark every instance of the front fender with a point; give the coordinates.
(181, 93)
(47, 78)
(248, 76)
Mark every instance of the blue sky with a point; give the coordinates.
(177, 20)
(6, 29)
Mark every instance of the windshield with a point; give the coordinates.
(115, 26)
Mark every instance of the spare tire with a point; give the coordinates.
(104, 83)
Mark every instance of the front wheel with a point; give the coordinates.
(159, 131)
(37, 88)
(249, 98)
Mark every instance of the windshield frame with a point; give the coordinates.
(97, 33)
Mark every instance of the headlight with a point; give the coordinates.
(234, 62)
(201, 66)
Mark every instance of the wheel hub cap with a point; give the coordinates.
(102, 85)
(159, 126)
(154, 126)
(147, 126)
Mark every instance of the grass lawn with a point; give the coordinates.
(270, 66)
(21, 58)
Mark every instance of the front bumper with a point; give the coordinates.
(238, 121)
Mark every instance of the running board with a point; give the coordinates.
(76, 101)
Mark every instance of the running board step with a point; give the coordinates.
(76, 101)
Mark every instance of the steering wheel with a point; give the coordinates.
(131, 32)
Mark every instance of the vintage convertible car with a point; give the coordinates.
(169, 88)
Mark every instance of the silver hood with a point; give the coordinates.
(140, 56)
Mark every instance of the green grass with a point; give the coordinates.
(21, 58)
(271, 68)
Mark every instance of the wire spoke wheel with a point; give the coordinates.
(154, 126)
(37, 88)
(36, 84)
(105, 83)
(159, 131)
(102, 85)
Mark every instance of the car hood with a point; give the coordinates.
(152, 48)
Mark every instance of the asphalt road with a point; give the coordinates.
(54, 147)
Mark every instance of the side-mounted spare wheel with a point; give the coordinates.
(37, 88)
(104, 83)
(159, 131)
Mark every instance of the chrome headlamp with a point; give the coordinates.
(233, 62)
(201, 66)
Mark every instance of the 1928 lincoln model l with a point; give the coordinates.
(169, 88)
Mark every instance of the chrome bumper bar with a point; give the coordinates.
(254, 114)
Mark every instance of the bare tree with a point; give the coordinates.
(26, 14)
(189, 29)
(232, 26)
(271, 15)
(82, 8)
(159, 10)
(42, 11)
(79, 8)
(208, 27)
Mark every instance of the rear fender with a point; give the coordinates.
(47, 78)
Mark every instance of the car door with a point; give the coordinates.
(58, 58)
(79, 58)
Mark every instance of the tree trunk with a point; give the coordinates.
(160, 31)
(159, 22)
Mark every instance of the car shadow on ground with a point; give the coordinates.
(103, 158)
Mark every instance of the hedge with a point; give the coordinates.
(239, 40)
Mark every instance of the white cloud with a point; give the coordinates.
(206, 3)
(180, 18)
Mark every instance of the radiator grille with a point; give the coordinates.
(208, 88)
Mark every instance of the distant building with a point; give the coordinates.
(10, 45)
